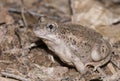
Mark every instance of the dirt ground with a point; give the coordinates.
(24, 57)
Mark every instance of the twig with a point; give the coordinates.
(14, 76)
(112, 69)
(5, 61)
(22, 14)
(13, 10)
(2, 23)
(70, 7)
(32, 13)
(114, 77)
(116, 64)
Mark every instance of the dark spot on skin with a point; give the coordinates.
(74, 42)
(82, 46)
(70, 38)
(85, 43)
(63, 32)
(72, 57)
(83, 56)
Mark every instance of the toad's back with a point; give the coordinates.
(80, 39)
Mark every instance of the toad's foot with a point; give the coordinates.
(96, 67)
(93, 64)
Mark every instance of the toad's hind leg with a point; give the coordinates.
(98, 64)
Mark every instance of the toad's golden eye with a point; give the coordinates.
(51, 27)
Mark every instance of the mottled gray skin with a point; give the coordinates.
(74, 44)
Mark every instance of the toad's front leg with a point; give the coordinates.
(79, 65)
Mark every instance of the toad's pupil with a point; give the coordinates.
(50, 26)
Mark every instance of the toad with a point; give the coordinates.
(75, 45)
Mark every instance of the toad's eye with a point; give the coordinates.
(51, 27)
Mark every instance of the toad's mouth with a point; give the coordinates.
(44, 36)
